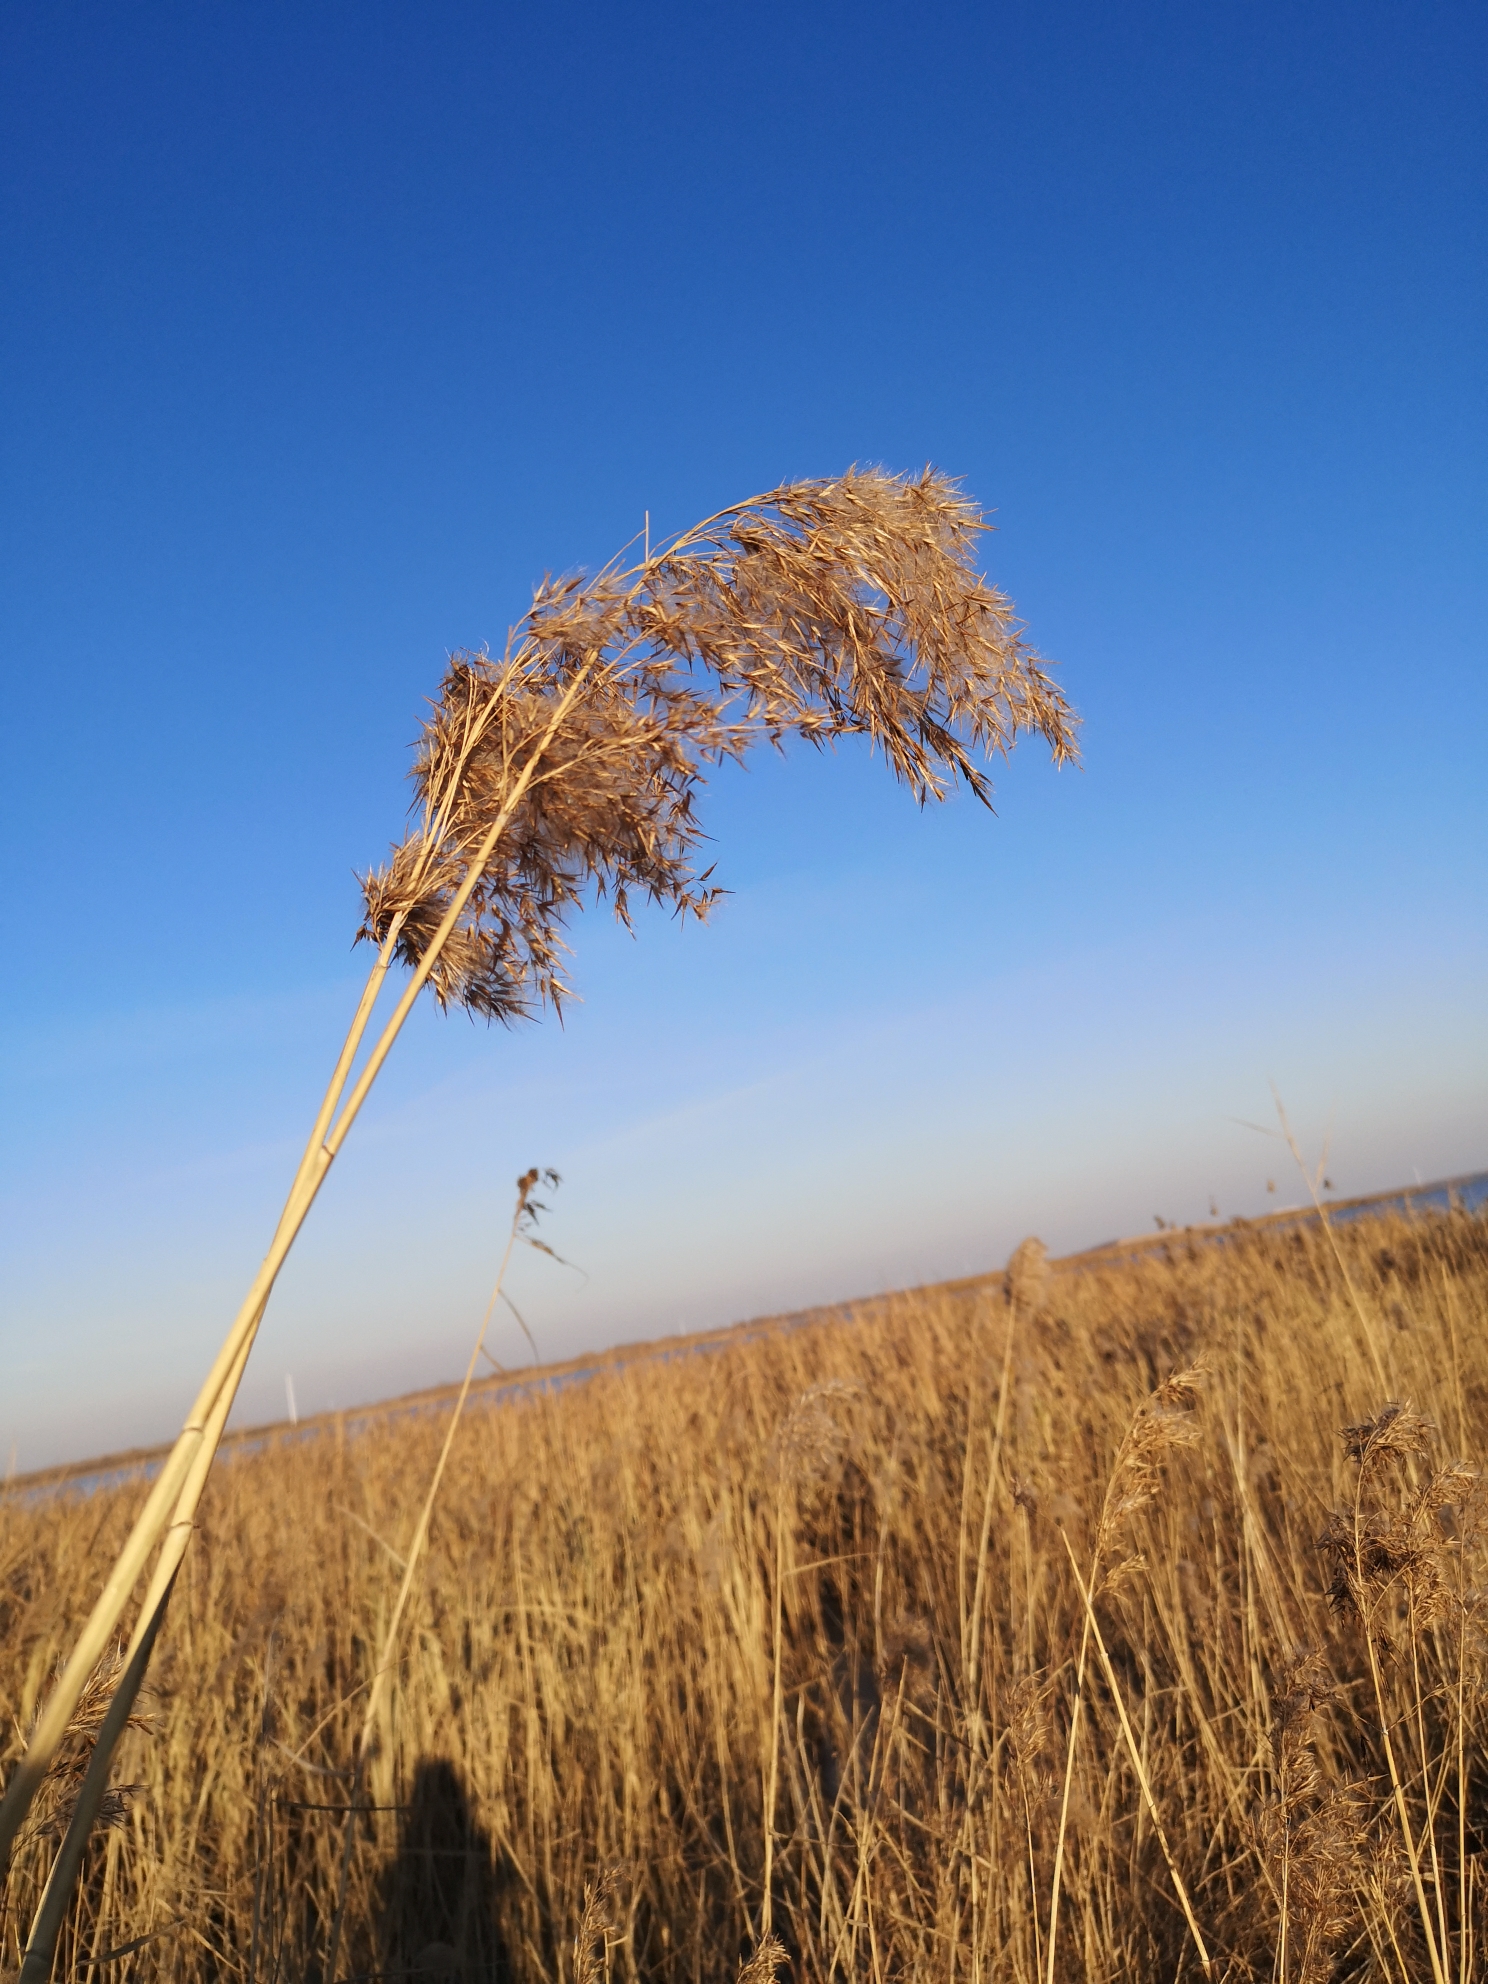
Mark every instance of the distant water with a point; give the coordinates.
(1467, 1194)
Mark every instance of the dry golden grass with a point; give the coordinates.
(843, 1561)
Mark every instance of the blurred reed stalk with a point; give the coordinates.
(523, 1214)
(1164, 1424)
(567, 768)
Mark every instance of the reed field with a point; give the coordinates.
(781, 1656)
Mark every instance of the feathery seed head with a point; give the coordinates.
(1395, 1432)
(1027, 1276)
(592, 1939)
(570, 764)
(1028, 1731)
(764, 1963)
(92, 1706)
(1389, 1548)
(113, 1810)
(1164, 1423)
(811, 1442)
(1311, 1834)
(64, 1778)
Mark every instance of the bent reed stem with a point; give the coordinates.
(772, 1785)
(824, 609)
(41, 1944)
(181, 1479)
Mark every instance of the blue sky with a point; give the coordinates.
(326, 330)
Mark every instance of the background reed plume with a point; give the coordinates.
(569, 766)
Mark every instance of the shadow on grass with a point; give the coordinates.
(440, 1894)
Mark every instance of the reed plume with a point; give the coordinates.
(1310, 1834)
(764, 1962)
(1026, 1277)
(568, 768)
(1390, 1556)
(820, 611)
(591, 1941)
(58, 1797)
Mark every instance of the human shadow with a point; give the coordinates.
(438, 1919)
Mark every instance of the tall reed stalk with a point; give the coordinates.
(567, 768)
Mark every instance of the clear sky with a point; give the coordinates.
(327, 329)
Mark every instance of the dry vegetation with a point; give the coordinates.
(563, 771)
(812, 1605)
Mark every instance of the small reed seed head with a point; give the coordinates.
(1388, 1551)
(1027, 1276)
(764, 1963)
(1164, 1424)
(1395, 1433)
(811, 1442)
(592, 1938)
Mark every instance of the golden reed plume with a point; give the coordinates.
(821, 610)
(846, 607)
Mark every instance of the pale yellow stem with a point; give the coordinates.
(772, 1790)
(1138, 1766)
(385, 1658)
(195, 1442)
